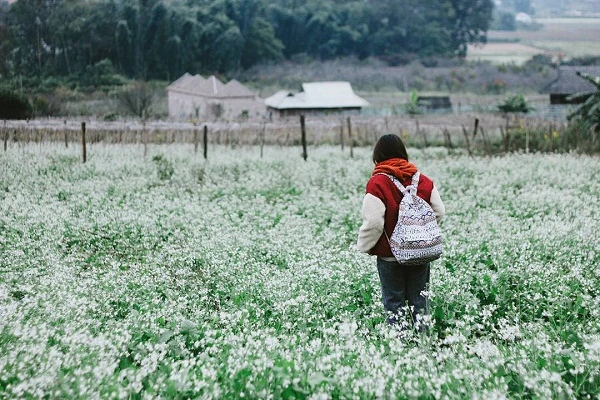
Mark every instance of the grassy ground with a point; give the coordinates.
(167, 276)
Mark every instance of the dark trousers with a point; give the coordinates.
(402, 284)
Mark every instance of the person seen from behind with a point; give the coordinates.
(401, 285)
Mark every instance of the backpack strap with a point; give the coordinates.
(396, 182)
(412, 188)
(414, 183)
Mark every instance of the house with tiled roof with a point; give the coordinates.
(568, 83)
(316, 98)
(193, 96)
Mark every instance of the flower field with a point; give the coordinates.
(174, 277)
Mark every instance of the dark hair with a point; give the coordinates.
(389, 146)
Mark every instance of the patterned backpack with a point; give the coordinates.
(416, 239)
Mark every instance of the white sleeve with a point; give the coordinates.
(373, 216)
(436, 203)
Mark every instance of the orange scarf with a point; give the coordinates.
(398, 167)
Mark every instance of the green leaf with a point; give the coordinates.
(316, 379)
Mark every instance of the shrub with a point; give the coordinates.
(515, 104)
(137, 99)
(46, 105)
(101, 74)
(110, 117)
(412, 107)
(497, 86)
(14, 105)
(164, 168)
(49, 84)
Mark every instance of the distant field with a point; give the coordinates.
(502, 53)
(569, 36)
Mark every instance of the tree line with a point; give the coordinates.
(152, 39)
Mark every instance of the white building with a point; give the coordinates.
(524, 18)
(193, 96)
(316, 97)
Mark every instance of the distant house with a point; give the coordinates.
(192, 95)
(524, 18)
(567, 83)
(316, 98)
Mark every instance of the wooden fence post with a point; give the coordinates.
(507, 135)
(476, 127)
(350, 137)
(486, 142)
(342, 134)
(448, 139)
(467, 143)
(195, 140)
(527, 139)
(66, 136)
(262, 139)
(424, 134)
(303, 129)
(144, 138)
(205, 141)
(83, 142)
(5, 137)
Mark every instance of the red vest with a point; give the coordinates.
(383, 188)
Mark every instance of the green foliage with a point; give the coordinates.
(98, 40)
(412, 106)
(523, 6)
(215, 291)
(164, 168)
(14, 105)
(515, 104)
(505, 21)
(101, 74)
(589, 111)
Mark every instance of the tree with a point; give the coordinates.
(261, 44)
(137, 99)
(589, 111)
(506, 22)
(5, 40)
(288, 22)
(467, 21)
(32, 40)
(14, 105)
(523, 6)
(147, 39)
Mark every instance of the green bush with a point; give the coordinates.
(101, 74)
(164, 168)
(412, 106)
(515, 104)
(14, 105)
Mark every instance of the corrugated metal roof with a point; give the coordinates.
(209, 87)
(316, 95)
(567, 81)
